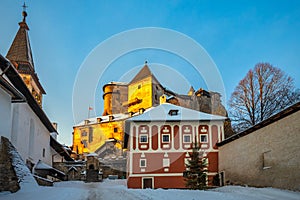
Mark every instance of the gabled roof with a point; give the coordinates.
(143, 73)
(170, 112)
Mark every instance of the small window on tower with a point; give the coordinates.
(139, 86)
(115, 130)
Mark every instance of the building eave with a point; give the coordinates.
(14, 93)
(17, 82)
(60, 149)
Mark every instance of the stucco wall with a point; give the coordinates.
(29, 135)
(268, 157)
(5, 114)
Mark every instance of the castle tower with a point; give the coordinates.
(144, 91)
(114, 95)
(191, 91)
(20, 56)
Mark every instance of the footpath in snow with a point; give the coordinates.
(116, 189)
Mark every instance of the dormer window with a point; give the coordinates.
(99, 119)
(111, 118)
(141, 110)
(173, 112)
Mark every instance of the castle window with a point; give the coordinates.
(143, 162)
(143, 138)
(83, 133)
(115, 130)
(165, 138)
(90, 134)
(44, 151)
(139, 86)
(203, 138)
(84, 142)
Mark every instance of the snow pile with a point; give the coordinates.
(26, 179)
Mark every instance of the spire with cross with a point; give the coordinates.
(24, 13)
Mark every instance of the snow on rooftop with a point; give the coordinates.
(94, 120)
(92, 154)
(42, 165)
(170, 112)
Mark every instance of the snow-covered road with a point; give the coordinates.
(116, 189)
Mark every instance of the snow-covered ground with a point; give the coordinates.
(116, 189)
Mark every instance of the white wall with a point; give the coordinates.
(29, 135)
(5, 114)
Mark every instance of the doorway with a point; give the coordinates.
(147, 183)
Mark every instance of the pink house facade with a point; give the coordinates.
(159, 142)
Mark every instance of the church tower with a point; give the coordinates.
(20, 56)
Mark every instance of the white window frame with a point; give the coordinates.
(205, 137)
(162, 138)
(145, 163)
(185, 135)
(143, 135)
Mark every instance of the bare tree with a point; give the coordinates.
(264, 91)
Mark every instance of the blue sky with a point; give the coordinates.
(236, 35)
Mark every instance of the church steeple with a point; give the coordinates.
(20, 55)
(20, 50)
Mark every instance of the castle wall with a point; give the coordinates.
(93, 136)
